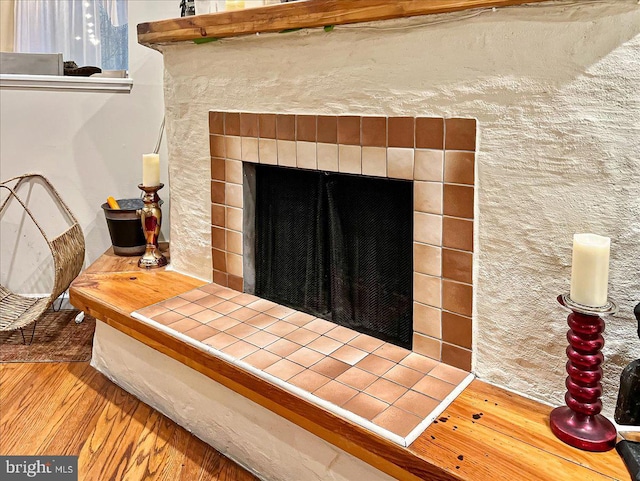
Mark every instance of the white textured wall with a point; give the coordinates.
(267, 444)
(555, 89)
(89, 144)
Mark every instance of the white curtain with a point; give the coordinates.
(89, 32)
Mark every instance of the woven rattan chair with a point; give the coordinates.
(17, 311)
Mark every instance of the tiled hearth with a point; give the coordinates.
(437, 154)
(393, 392)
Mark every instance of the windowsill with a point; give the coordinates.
(57, 82)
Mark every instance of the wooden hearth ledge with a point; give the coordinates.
(296, 15)
(507, 439)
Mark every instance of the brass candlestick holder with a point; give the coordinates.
(151, 217)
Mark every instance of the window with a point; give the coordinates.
(89, 32)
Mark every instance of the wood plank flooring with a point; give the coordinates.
(72, 409)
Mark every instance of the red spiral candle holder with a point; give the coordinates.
(579, 423)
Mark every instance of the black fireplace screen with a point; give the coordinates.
(337, 246)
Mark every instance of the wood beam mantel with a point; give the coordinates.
(301, 14)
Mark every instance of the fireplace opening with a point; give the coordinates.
(337, 246)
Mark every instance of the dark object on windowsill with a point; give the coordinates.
(71, 69)
(187, 8)
(629, 451)
(628, 406)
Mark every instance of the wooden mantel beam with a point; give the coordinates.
(301, 14)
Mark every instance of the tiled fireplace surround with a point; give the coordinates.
(437, 154)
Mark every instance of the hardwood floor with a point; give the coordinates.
(72, 409)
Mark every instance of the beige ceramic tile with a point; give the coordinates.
(427, 197)
(306, 155)
(385, 390)
(403, 375)
(287, 153)
(233, 147)
(417, 403)
(234, 218)
(419, 362)
(428, 165)
(427, 320)
(400, 163)
(427, 228)
(374, 161)
(305, 357)
(426, 289)
(234, 242)
(397, 421)
(366, 406)
(427, 259)
(427, 346)
(234, 264)
(233, 195)
(268, 151)
(335, 392)
(350, 159)
(309, 380)
(328, 157)
(249, 149)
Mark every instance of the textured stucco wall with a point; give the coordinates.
(265, 443)
(555, 89)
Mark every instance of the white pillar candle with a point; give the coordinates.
(590, 269)
(150, 170)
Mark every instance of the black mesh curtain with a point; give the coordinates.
(338, 247)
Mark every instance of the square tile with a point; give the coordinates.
(241, 330)
(302, 336)
(285, 127)
(280, 311)
(427, 320)
(220, 341)
(419, 362)
(427, 346)
(248, 125)
(233, 218)
(217, 192)
(193, 295)
(234, 264)
(429, 133)
(392, 352)
(216, 122)
(330, 367)
(217, 169)
(349, 130)
(282, 347)
(427, 289)
(223, 323)
(153, 311)
(226, 307)
(184, 325)
(457, 329)
(456, 356)
(417, 403)
(268, 151)
(427, 259)
(309, 380)
(306, 128)
(240, 349)
(267, 126)
(233, 148)
(403, 376)
(328, 129)
(449, 374)
(245, 299)
(249, 149)
(233, 195)
(201, 332)
(168, 318)
(232, 123)
(335, 392)
(374, 161)
(357, 378)
(401, 132)
(325, 345)
(218, 214)
(457, 297)
(458, 201)
(434, 388)
(342, 334)
(261, 339)
(281, 328)
(287, 153)
(327, 157)
(243, 313)
(284, 369)
(374, 131)
(235, 282)
(375, 364)
(427, 228)
(457, 233)
(457, 265)
(304, 356)
(221, 278)
(400, 163)
(261, 359)
(205, 316)
(365, 406)
(397, 421)
(189, 309)
(349, 159)
(460, 134)
(385, 390)
(349, 354)
(234, 242)
(217, 146)
(210, 301)
(459, 167)
(306, 155)
(366, 343)
(262, 305)
(429, 165)
(300, 318)
(427, 197)
(320, 326)
(175, 303)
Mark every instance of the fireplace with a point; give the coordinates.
(435, 157)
